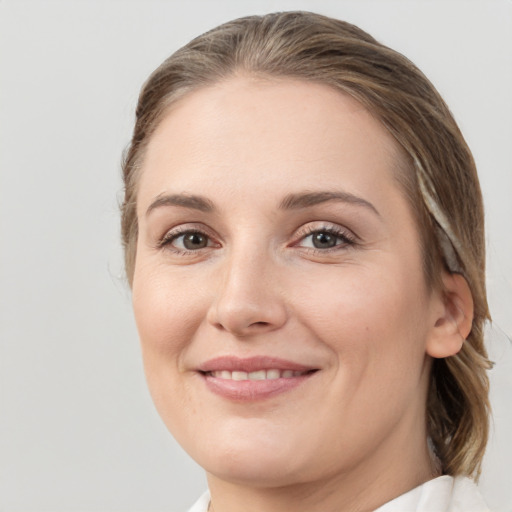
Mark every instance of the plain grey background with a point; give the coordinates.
(78, 431)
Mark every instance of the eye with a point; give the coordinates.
(186, 240)
(326, 238)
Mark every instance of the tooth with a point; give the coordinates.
(258, 375)
(239, 375)
(218, 374)
(287, 374)
(273, 374)
(298, 374)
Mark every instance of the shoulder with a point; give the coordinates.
(442, 494)
(466, 497)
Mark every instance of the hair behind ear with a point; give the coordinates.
(458, 410)
(458, 405)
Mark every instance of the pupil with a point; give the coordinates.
(324, 240)
(194, 241)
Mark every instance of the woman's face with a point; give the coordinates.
(278, 287)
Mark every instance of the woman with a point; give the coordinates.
(307, 283)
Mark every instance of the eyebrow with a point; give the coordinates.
(184, 200)
(308, 199)
(290, 202)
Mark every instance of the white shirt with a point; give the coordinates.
(442, 494)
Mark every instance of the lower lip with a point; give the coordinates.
(253, 390)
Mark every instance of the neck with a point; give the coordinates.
(384, 475)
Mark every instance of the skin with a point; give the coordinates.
(352, 436)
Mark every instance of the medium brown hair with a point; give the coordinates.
(439, 175)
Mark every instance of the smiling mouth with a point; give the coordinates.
(253, 379)
(271, 374)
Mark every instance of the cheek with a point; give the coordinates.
(372, 319)
(167, 312)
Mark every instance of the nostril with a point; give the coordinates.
(243, 317)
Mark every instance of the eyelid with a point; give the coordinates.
(331, 227)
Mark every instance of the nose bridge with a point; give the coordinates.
(248, 298)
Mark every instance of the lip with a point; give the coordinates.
(251, 364)
(252, 390)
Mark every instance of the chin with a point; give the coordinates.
(255, 470)
(255, 458)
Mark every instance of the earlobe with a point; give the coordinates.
(453, 319)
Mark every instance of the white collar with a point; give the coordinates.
(442, 494)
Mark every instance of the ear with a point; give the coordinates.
(453, 317)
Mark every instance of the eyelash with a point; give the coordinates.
(347, 239)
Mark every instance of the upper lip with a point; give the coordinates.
(251, 364)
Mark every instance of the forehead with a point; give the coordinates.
(247, 132)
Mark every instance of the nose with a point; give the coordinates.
(249, 299)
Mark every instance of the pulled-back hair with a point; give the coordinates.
(438, 178)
